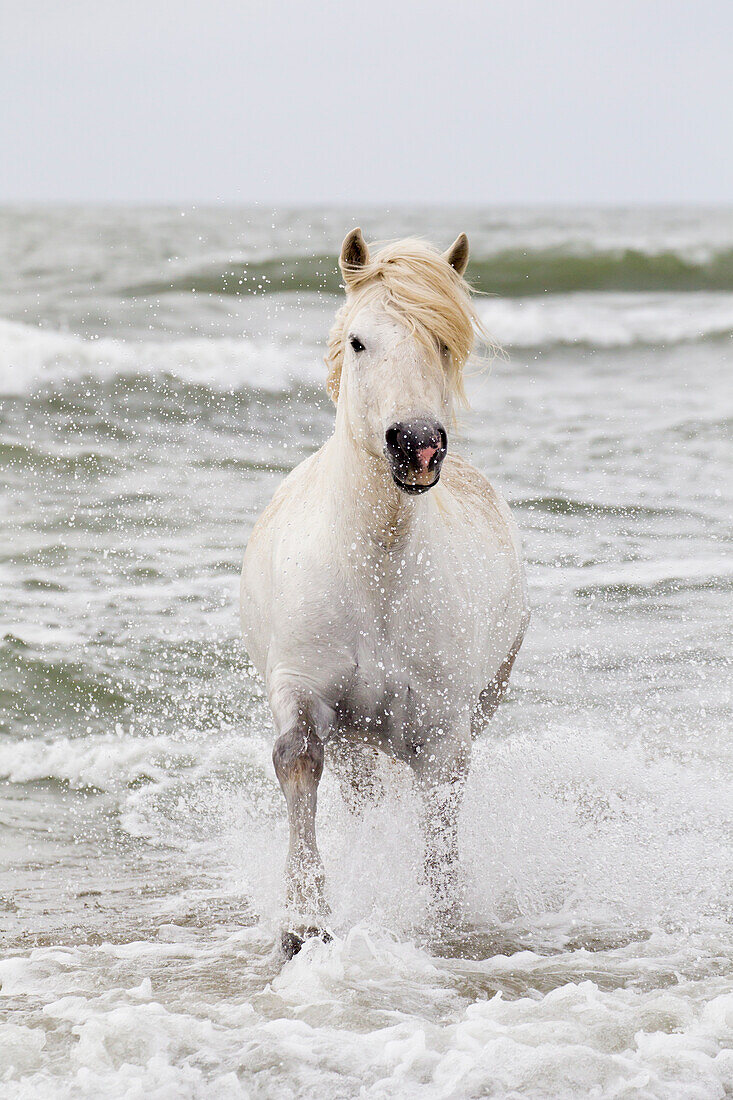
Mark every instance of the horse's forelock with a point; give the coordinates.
(418, 286)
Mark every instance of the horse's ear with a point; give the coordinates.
(354, 255)
(457, 254)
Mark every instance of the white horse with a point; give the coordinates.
(383, 596)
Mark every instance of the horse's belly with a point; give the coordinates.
(397, 694)
(388, 712)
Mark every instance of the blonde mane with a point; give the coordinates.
(417, 286)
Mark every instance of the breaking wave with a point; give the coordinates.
(514, 272)
(32, 356)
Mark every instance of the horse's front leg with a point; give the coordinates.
(303, 722)
(440, 763)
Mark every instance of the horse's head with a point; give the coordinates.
(397, 352)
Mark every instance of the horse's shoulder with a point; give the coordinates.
(288, 490)
(473, 490)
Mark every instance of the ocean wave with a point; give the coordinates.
(568, 506)
(608, 320)
(106, 762)
(119, 760)
(513, 272)
(33, 357)
(519, 272)
(640, 579)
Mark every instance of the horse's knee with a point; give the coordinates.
(298, 757)
(304, 721)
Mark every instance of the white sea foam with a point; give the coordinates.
(427, 1027)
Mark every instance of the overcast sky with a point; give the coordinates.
(399, 102)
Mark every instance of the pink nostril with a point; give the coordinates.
(424, 455)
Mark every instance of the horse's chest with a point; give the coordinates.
(408, 671)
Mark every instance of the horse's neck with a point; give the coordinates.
(371, 509)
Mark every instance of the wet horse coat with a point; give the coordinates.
(383, 596)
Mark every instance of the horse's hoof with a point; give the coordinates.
(291, 942)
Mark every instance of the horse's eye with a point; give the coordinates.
(356, 343)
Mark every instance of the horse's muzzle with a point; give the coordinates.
(415, 450)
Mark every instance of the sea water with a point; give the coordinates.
(160, 372)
